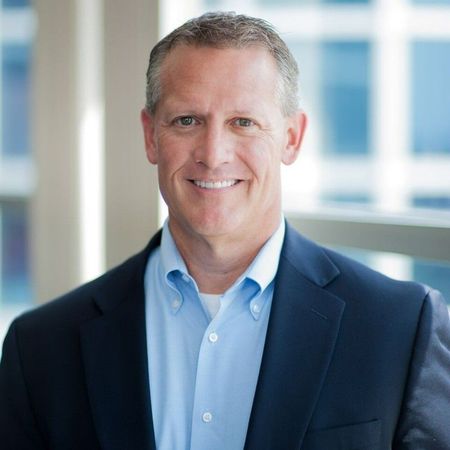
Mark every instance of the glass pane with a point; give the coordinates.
(334, 91)
(15, 281)
(15, 99)
(212, 4)
(431, 2)
(346, 1)
(16, 3)
(353, 199)
(14, 244)
(345, 83)
(309, 2)
(15, 71)
(431, 97)
(432, 202)
(434, 274)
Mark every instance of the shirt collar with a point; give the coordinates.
(261, 271)
(264, 267)
(172, 262)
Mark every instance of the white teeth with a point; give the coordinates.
(214, 184)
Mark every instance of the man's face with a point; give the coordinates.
(218, 136)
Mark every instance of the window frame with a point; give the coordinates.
(411, 234)
(62, 235)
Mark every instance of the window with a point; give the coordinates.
(15, 264)
(431, 2)
(334, 82)
(432, 202)
(434, 274)
(16, 3)
(428, 272)
(16, 174)
(15, 99)
(431, 97)
(309, 2)
(344, 74)
(374, 79)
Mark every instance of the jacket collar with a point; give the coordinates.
(301, 335)
(302, 331)
(115, 358)
(113, 287)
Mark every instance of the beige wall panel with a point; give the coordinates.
(54, 229)
(131, 29)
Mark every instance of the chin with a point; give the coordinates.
(218, 225)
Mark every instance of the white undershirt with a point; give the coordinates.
(211, 302)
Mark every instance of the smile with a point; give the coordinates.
(214, 184)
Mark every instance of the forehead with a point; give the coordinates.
(231, 72)
(183, 53)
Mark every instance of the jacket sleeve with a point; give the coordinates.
(18, 429)
(425, 419)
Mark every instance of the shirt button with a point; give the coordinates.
(176, 303)
(207, 417)
(256, 308)
(213, 337)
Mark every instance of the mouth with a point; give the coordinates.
(220, 184)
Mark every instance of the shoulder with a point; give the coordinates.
(353, 281)
(358, 282)
(90, 299)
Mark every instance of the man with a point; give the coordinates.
(229, 330)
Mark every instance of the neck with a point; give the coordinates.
(217, 262)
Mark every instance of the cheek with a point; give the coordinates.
(171, 157)
(262, 159)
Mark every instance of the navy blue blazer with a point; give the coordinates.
(352, 360)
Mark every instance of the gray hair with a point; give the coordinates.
(227, 30)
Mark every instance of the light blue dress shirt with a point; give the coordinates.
(202, 371)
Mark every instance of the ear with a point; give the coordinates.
(148, 124)
(296, 126)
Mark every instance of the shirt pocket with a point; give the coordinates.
(360, 436)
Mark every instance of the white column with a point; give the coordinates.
(89, 61)
(390, 104)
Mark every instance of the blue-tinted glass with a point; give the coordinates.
(15, 276)
(430, 2)
(211, 3)
(345, 1)
(360, 199)
(436, 275)
(345, 96)
(308, 2)
(16, 3)
(15, 99)
(442, 202)
(431, 97)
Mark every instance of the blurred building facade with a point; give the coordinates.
(374, 81)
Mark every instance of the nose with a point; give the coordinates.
(214, 147)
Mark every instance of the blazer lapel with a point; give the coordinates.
(115, 357)
(302, 331)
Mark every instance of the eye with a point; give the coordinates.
(185, 121)
(243, 122)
